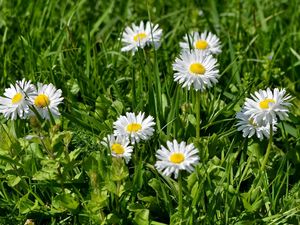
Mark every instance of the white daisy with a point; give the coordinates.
(249, 127)
(206, 41)
(196, 69)
(46, 99)
(265, 105)
(139, 36)
(16, 103)
(119, 147)
(178, 156)
(135, 128)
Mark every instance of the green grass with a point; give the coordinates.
(68, 177)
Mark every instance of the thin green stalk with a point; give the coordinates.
(268, 148)
(137, 169)
(180, 202)
(197, 105)
(134, 90)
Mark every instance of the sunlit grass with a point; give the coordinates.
(62, 174)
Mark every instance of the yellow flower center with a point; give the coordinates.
(177, 158)
(197, 68)
(134, 127)
(264, 104)
(17, 98)
(201, 44)
(139, 37)
(41, 101)
(117, 148)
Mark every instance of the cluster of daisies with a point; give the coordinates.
(130, 129)
(25, 99)
(261, 113)
(196, 66)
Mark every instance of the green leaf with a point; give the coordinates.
(65, 202)
(13, 180)
(192, 119)
(98, 200)
(74, 154)
(118, 106)
(112, 219)
(73, 86)
(10, 160)
(149, 199)
(119, 169)
(61, 138)
(157, 223)
(26, 205)
(111, 187)
(141, 217)
(48, 171)
(7, 140)
(45, 175)
(160, 190)
(289, 129)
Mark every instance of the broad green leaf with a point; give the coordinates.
(13, 180)
(65, 202)
(141, 217)
(119, 170)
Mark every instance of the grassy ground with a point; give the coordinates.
(69, 178)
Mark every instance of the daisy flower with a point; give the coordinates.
(266, 105)
(135, 128)
(119, 147)
(139, 36)
(196, 69)
(15, 101)
(46, 100)
(206, 41)
(249, 127)
(178, 156)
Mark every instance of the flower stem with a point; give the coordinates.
(133, 90)
(268, 148)
(198, 121)
(180, 205)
